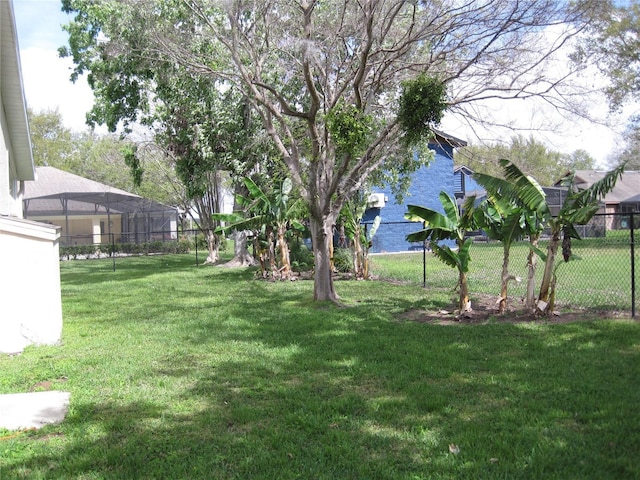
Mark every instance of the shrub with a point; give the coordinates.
(156, 246)
(301, 257)
(184, 245)
(343, 260)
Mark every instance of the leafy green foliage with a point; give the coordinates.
(631, 151)
(102, 158)
(350, 128)
(524, 196)
(448, 226)
(437, 226)
(613, 43)
(343, 260)
(132, 161)
(295, 62)
(271, 215)
(422, 104)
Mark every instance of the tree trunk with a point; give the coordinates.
(321, 235)
(549, 266)
(342, 239)
(365, 263)
(532, 260)
(241, 257)
(552, 295)
(464, 304)
(358, 258)
(283, 248)
(271, 252)
(261, 254)
(502, 305)
(213, 244)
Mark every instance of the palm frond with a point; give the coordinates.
(446, 255)
(450, 207)
(513, 226)
(529, 191)
(496, 186)
(538, 251)
(433, 218)
(467, 221)
(600, 188)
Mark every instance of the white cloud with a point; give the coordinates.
(575, 117)
(560, 132)
(47, 86)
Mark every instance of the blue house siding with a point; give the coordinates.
(465, 185)
(426, 185)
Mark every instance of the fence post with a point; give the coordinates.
(113, 250)
(424, 259)
(196, 244)
(633, 265)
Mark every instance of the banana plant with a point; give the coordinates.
(450, 225)
(502, 220)
(578, 208)
(270, 216)
(515, 207)
(361, 239)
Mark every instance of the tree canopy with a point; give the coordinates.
(613, 42)
(530, 155)
(99, 157)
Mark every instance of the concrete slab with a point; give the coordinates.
(32, 410)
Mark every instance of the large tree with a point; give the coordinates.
(300, 63)
(630, 154)
(613, 44)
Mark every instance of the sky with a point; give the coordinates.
(46, 76)
(47, 87)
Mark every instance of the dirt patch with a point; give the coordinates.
(485, 310)
(48, 385)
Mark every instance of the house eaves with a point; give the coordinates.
(444, 139)
(12, 94)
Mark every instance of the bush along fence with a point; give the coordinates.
(601, 275)
(79, 247)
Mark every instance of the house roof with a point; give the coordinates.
(442, 138)
(627, 187)
(463, 169)
(12, 94)
(56, 190)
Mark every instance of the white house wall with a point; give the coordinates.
(30, 302)
(84, 229)
(30, 306)
(10, 198)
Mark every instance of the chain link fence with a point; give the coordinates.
(80, 247)
(602, 277)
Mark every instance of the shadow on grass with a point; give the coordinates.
(278, 387)
(366, 403)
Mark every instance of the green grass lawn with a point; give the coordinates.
(184, 372)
